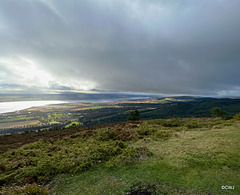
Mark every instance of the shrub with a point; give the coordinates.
(129, 156)
(192, 124)
(170, 123)
(116, 134)
(27, 132)
(237, 116)
(32, 189)
(162, 135)
(44, 159)
(217, 112)
(145, 130)
(107, 134)
(125, 135)
(134, 115)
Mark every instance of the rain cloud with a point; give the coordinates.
(167, 47)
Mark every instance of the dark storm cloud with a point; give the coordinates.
(186, 47)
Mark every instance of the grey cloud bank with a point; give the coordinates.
(171, 47)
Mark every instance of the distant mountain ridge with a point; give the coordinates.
(63, 96)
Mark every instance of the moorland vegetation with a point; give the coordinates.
(160, 156)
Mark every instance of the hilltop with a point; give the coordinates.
(161, 156)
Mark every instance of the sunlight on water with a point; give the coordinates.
(20, 105)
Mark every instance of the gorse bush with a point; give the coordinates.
(108, 134)
(192, 124)
(45, 159)
(32, 189)
(116, 134)
(237, 116)
(169, 122)
(162, 135)
(129, 156)
(145, 129)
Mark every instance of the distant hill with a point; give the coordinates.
(63, 96)
(91, 114)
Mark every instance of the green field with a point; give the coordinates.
(163, 156)
(16, 119)
(95, 107)
(72, 124)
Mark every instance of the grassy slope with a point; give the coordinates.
(193, 161)
(189, 158)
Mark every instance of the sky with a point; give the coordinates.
(147, 46)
